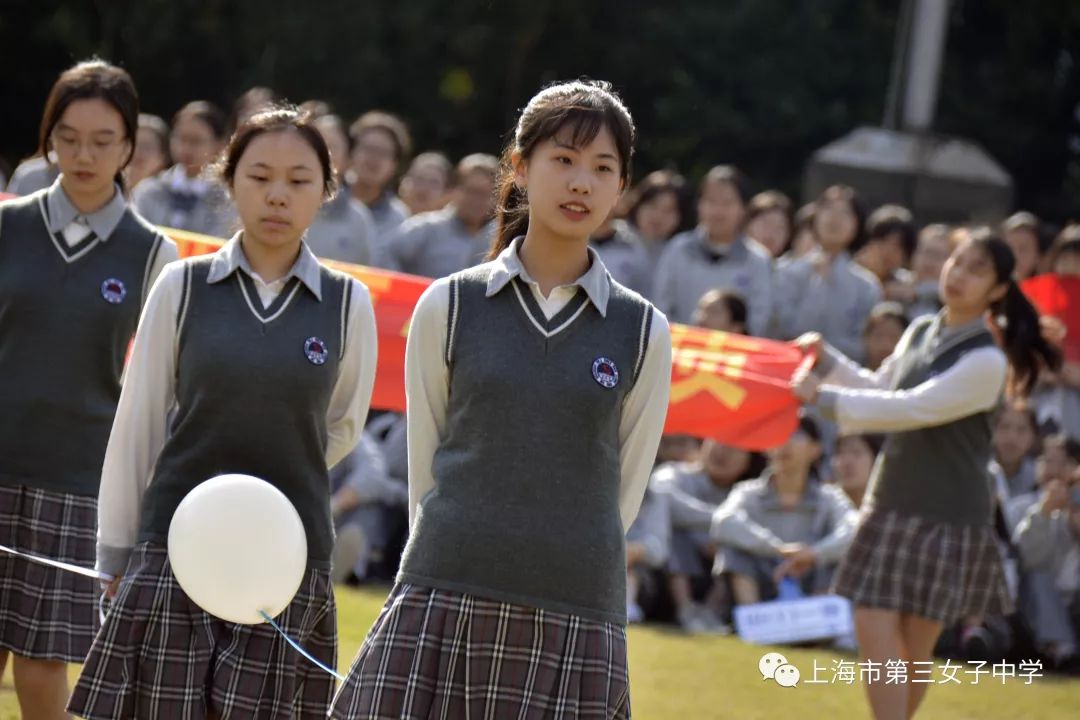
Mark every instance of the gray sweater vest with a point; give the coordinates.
(938, 472)
(252, 395)
(525, 507)
(66, 317)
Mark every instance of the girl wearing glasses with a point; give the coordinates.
(76, 263)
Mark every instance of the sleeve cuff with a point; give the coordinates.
(112, 560)
(827, 360)
(827, 404)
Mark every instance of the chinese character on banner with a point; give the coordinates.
(844, 672)
(895, 672)
(1030, 669)
(948, 673)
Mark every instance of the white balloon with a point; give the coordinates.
(237, 546)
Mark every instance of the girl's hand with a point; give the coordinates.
(811, 342)
(110, 587)
(805, 385)
(1052, 329)
(1055, 496)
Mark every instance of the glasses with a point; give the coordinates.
(73, 146)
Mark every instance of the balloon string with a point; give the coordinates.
(78, 569)
(297, 647)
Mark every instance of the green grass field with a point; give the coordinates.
(694, 678)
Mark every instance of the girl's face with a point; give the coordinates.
(659, 217)
(969, 282)
(149, 157)
(424, 188)
(721, 209)
(1025, 247)
(835, 225)
(713, 314)
(678, 448)
(1014, 438)
(374, 160)
(930, 256)
(278, 188)
(852, 462)
(724, 464)
(1068, 264)
(797, 455)
(1054, 464)
(193, 145)
(571, 190)
(882, 334)
(90, 146)
(771, 229)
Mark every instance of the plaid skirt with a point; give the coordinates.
(921, 567)
(439, 654)
(159, 655)
(45, 612)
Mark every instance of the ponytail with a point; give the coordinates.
(1024, 344)
(511, 211)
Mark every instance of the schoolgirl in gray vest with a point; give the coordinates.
(537, 389)
(267, 360)
(75, 264)
(924, 554)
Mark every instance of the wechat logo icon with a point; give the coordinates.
(774, 666)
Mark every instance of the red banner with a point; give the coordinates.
(729, 387)
(1059, 297)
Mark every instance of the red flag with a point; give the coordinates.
(725, 386)
(1059, 297)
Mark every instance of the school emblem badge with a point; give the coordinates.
(315, 350)
(605, 372)
(113, 291)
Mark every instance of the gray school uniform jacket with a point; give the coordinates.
(692, 497)
(32, 175)
(436, 244)
(626, 258)
(209, 211)
(752, 520)
(836, 305)
(691, 266)
(1049, 545)
(343, 231)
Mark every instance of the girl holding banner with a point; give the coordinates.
(75, 265)
(924, 553)
(537, 388)
(269, 360)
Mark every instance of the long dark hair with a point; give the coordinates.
(583, 106)
(92, 79)
(1017, 318)
(847, 195)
